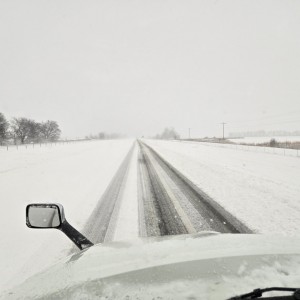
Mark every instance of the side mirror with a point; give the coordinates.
(44, 215)
(50, 215)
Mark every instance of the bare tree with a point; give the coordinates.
(3, 128)
(25, 129)
(50, 131)
(34, 131)
(167, 134)
(101, 135)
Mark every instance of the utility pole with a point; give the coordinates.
(189, 133)
(223, 128)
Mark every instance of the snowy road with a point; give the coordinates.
(174, 205)
(167, 196)
(166, 203)
(259, 188)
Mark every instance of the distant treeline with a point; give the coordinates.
(168, 133)
(23, 130)
(104, 136)
(264, 133)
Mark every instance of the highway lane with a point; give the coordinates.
(168, 203)
(174, 205)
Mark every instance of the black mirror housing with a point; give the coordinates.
(45, 215)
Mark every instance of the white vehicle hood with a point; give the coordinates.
(200, 266)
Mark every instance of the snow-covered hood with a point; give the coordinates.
(200, 266)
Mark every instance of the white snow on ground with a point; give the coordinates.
(271, 150)
(263, 139)
(75, 175)
(261, 189)
(127, 227)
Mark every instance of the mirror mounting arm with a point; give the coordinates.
(75, 236)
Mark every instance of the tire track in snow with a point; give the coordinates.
(101, 224)
(151, 222)
(127, 225)
(181, 207)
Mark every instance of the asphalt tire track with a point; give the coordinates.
(182, 206)
(151, 220)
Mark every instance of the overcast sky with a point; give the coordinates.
(136, 67)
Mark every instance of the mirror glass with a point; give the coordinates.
(44, 216)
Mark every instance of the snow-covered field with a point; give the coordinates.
(252, 148)
(261, 189)
(263, 139)
(74, 175)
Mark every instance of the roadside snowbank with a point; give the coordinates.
(260, 189)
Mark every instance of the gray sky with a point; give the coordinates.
(138, 66)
